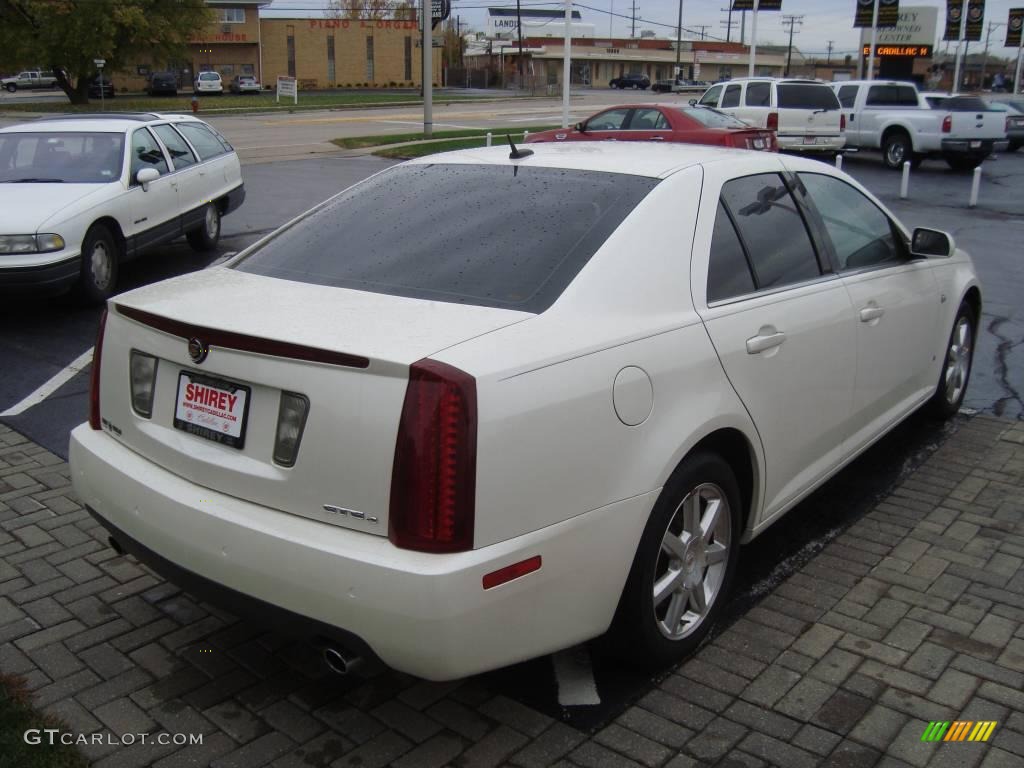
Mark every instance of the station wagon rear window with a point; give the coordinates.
(493, 236)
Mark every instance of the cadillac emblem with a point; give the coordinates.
(197, 350)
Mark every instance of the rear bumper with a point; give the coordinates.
(976, 148)
(235, 198)
(44, 279)
(821, 143)
(420, 613)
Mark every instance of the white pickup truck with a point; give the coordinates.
(895, 118)
(29, 79)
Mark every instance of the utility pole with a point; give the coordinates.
(743, 27)
(701, 27)
(984, 60)
(633, 32)
(519, 34)
(874, 41)
(831, 43)
(753, 39)
(679, 39)
(792, 20)
(960, 36)
(728, 23)
(566, 63)
(426, 14)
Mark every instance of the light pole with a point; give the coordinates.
(679, 38)
(753, 40)
(874, 40)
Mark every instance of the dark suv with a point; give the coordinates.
(643, 82)
(163, 82)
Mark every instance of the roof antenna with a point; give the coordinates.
(516, 153)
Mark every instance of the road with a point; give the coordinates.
(41, 337)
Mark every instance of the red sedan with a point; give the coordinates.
(664, 122)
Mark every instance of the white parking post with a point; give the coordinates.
(525, 134)
(975, 186)
(488, 138)
(839, 162)
(905, 182)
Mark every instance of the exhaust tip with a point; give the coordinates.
(114, 545)
(340, 662)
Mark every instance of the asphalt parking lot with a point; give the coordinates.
(250, 693)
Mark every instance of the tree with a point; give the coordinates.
(67, 35)
(362, 9)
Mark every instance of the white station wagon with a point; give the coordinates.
(81, 194)
(481, 406)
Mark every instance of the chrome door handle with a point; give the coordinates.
(867, 314)
(657, 138)
(757, 344)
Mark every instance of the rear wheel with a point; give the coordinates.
(956, 370)
(896, 149)
(11, 87)
(683, 566)
(100, 259)
(206, 236)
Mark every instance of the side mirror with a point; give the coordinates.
(932, 244)
(146, 176)
(581, 127)
(693, 102)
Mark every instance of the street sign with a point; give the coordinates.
(100, 63)
(439, 11)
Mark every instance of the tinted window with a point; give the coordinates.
(758, 95)
(848, 96)
(713, 119)
(181, 155)
(966, 104)
(648, 120)
(807, 96)
(772, 229)
(76, 158)
(892, 96)
(611, 120)
(731, 97)
(146, 153)
(710, 98)
(905, 96)
(209, 76)
(860, 232)
(488, 235)
(203, 139)
(728, 271)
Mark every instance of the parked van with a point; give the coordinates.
(805, 113)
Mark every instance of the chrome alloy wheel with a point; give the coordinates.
(958, 360)
(896, 153)
(101, 265)
(692, 561)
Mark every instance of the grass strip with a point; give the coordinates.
(361, 142)
(16, 717)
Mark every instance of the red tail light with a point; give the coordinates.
(773, 121)
(842, 123)
(947, 124)
(433, 482)
(94, 375)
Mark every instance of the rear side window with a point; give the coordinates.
(181, 155)
(648, 120)
(892, 96)
(729, 273)
(848, 96)
(612, 120)
(758, 95)
(710, 98)
(712, 118)
(203, 139)
(806, 96)
(732, 96)
(493, 236)
(772, 229)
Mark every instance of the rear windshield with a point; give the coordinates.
(493, 236)
(806, 96)
(712, 118)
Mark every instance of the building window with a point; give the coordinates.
(330, 58)
(248, 69)
(369, 58)
(291, 50)
(232, 15)
(408, 58)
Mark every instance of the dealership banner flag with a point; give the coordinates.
(1013, 27)
(954, 12)
(764, 5)
(888, 13)
(975, 19)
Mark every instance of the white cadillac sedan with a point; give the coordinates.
(478, 408)
(80, 195)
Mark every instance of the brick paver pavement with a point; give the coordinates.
(915, 613)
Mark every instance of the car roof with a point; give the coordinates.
(111, 122)
(796, 80)
(630, 158)
(874, 82)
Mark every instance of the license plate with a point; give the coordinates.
(809, 140)
(212, 408)
(975, 145)
(758, 143)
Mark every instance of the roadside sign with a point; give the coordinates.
(287, 86)
(100, 63)
(439, 11)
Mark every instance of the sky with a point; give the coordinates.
(823, 20)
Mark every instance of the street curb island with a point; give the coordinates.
(900, 644)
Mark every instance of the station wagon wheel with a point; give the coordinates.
(956, 369)
(100, 259)
(206, 236)
(683, 565)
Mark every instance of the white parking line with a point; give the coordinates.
(575, 676)
(56, 382)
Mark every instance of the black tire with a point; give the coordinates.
(640, 630)
(205, 237)
(11, 87)
(957, 365)
(896, 149)
(1014, 146)
(101, 258)
(963, 164)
